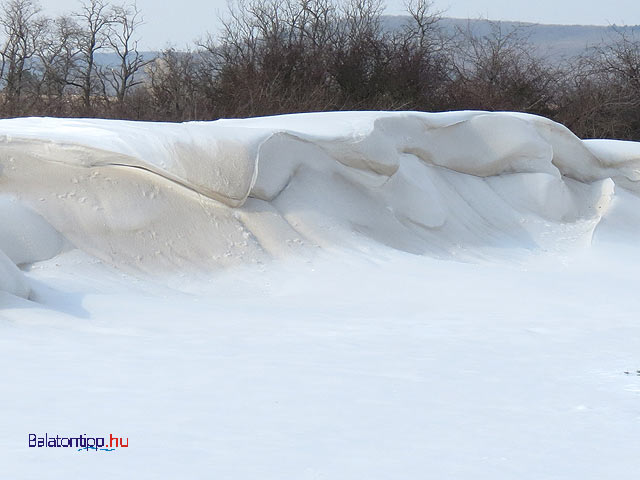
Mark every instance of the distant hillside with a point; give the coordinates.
(556, 41)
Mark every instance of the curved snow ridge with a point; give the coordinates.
(621, 159)
(160, 196)
(219, 159)
(216, 162)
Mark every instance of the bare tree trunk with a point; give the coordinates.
(94, 19)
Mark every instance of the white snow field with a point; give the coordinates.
(365, 295)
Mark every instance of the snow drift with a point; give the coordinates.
(156, 197)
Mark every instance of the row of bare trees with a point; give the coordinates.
(49, 65)
(283, 56)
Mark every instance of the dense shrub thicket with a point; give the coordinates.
(275, 56)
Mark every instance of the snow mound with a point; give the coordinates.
(11, 278)
(159, 197)
(25, 237)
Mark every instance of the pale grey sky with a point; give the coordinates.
(179, 22)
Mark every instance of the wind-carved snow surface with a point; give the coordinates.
(164, 197)
(363, 295)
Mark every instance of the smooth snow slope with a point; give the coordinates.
(339, 295)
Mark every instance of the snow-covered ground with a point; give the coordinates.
(339, 296)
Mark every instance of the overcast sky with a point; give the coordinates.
(179, 22)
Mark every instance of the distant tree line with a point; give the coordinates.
(284, 56)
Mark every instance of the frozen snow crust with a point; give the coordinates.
(157, 197)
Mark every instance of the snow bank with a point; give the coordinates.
(25, 238)
(159, 197)
(11, 278)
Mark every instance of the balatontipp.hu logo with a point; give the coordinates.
(81, 442)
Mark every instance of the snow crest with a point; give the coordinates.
(157, 197)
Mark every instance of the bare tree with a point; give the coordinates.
(173, 84)
(123, 40)
(601, 95)
(21, 26)
(415, 71)
(56, 52)
(359, 55)
(93, 20)
(501, 71)
(274, 56)
(422, 27)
